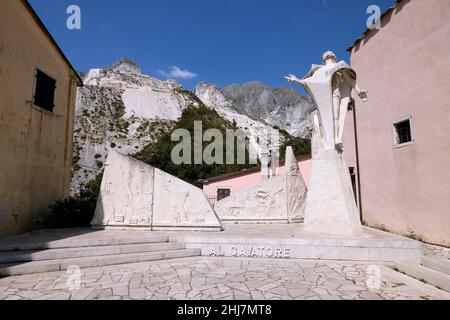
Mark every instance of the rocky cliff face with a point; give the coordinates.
(213, 97)
(258, 130)
(281, 107)
(121, 108)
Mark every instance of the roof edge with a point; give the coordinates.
(247, 171)
(52, 40)
(362, 37)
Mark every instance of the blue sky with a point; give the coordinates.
(218, 41)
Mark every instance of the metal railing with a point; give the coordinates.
(212, 200)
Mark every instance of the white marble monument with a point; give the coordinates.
(134, 194)
(330, 206)
(279, 199)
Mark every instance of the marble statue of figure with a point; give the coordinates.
(331, 86)
(330, 205)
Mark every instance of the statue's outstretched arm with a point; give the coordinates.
(293, 79)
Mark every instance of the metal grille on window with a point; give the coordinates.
(223, 193)
(403, 130)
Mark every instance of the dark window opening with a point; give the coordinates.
(223, 193)
(403, 132)
(44, 91)
(353, 179)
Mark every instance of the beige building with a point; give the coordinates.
(37, 101)
(403, 142)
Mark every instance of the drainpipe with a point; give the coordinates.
(355, 129)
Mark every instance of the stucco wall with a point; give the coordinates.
(35, 147)
(246, 181)
(406, 68)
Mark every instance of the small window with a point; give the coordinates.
(403, 133)
(353, 179)
(44, 91)
(223, 193)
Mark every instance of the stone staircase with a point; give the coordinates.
(30, 258)
(432, 270)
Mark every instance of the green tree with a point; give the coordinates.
(159, 154)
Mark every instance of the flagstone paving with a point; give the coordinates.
(225, 279)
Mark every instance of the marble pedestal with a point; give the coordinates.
(292, 241)
(330, 206)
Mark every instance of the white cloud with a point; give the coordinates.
(178, 73)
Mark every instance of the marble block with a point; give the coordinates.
(296, 188)
(134, 194)
(180, 204)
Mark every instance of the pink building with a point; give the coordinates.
(223, 186)
(403, 145)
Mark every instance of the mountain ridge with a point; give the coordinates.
(119, 107)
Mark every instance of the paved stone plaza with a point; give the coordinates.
(225, 278)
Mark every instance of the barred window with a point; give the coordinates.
(223, 193)
(402, 132)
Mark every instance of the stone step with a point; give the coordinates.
(83, 242)
(92, 262)
(437, 264)
(70, 253)
(435, 278)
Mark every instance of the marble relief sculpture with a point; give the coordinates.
(134, 194)
(280, 199)
(330, 205)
